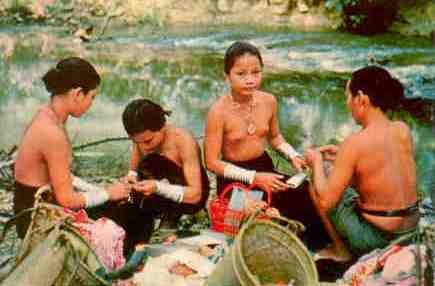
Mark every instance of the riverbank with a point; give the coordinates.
(414, 17)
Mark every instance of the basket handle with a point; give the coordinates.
(293, 225)
(246, 189)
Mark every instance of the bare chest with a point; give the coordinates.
(239, 126)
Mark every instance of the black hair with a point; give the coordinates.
(71, 73)
(238, 49)
(384, 91)
(143, 114)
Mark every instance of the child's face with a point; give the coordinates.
(84, 101)
(245, 75)
(148, 141)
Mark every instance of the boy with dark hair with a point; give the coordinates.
(166, 171)
(380, 158)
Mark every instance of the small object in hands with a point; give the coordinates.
(181, 269)
(170, 239)
(296, 180)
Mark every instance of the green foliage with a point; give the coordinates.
(339, 5)
(365, 16)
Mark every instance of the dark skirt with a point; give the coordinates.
(294, 204)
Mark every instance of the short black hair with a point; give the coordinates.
(384, 91)
(238, 49)
(71, 73)
(141, 115)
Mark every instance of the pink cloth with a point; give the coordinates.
(106, 238)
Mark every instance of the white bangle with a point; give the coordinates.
(132, 173)
(287, 150)
(234, 172)
(172, 192)
(83, 186)
(95, 198)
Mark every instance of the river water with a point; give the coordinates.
(182, 69)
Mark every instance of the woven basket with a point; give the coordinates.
(50, 226)
(265, 252)
(429, 241)
(226, 220)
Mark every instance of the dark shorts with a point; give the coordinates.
(137, 218)
(360, 235)
(24, 198)
(294, 203)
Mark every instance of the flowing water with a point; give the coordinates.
(183, 70)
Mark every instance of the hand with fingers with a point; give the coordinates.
(146, 187)
(270, 182)
(329, 152)
(298, 162)
(118, 191)
(251, 206)
(312, 156)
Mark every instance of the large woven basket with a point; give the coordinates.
(50, 233)
(429, 241)
(265, 252)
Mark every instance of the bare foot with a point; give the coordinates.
(334, 253)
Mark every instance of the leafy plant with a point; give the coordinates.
(364, 16)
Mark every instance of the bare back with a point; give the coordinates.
(31, 166)
(386, 173)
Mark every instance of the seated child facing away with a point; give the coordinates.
(380, 157)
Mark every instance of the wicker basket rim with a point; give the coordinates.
(237, 250)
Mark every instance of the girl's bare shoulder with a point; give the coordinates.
(218, 108)
(46, 129)
(402, 130)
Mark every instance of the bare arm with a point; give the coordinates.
(213, 141)
(275, 138)
(329, 190)
(57, 154)
(135, 157)
(191, 158)
(278, 143)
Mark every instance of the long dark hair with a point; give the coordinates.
(71, 73)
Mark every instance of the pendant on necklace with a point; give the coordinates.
(251, 128)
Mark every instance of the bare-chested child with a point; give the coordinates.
(165, 169)
(380, 159)
(239, 127)
(45, 152)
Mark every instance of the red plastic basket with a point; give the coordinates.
(224, 219)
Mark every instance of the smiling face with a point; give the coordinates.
(245, 75)
(149, 141)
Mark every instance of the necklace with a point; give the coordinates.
(248, 117)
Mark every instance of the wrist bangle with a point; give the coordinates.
(172, 192)
(132, 173)
(287, 150)
(234, 172)
(95, 198)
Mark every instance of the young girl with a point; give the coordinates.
(240, 125)
(45, 152)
